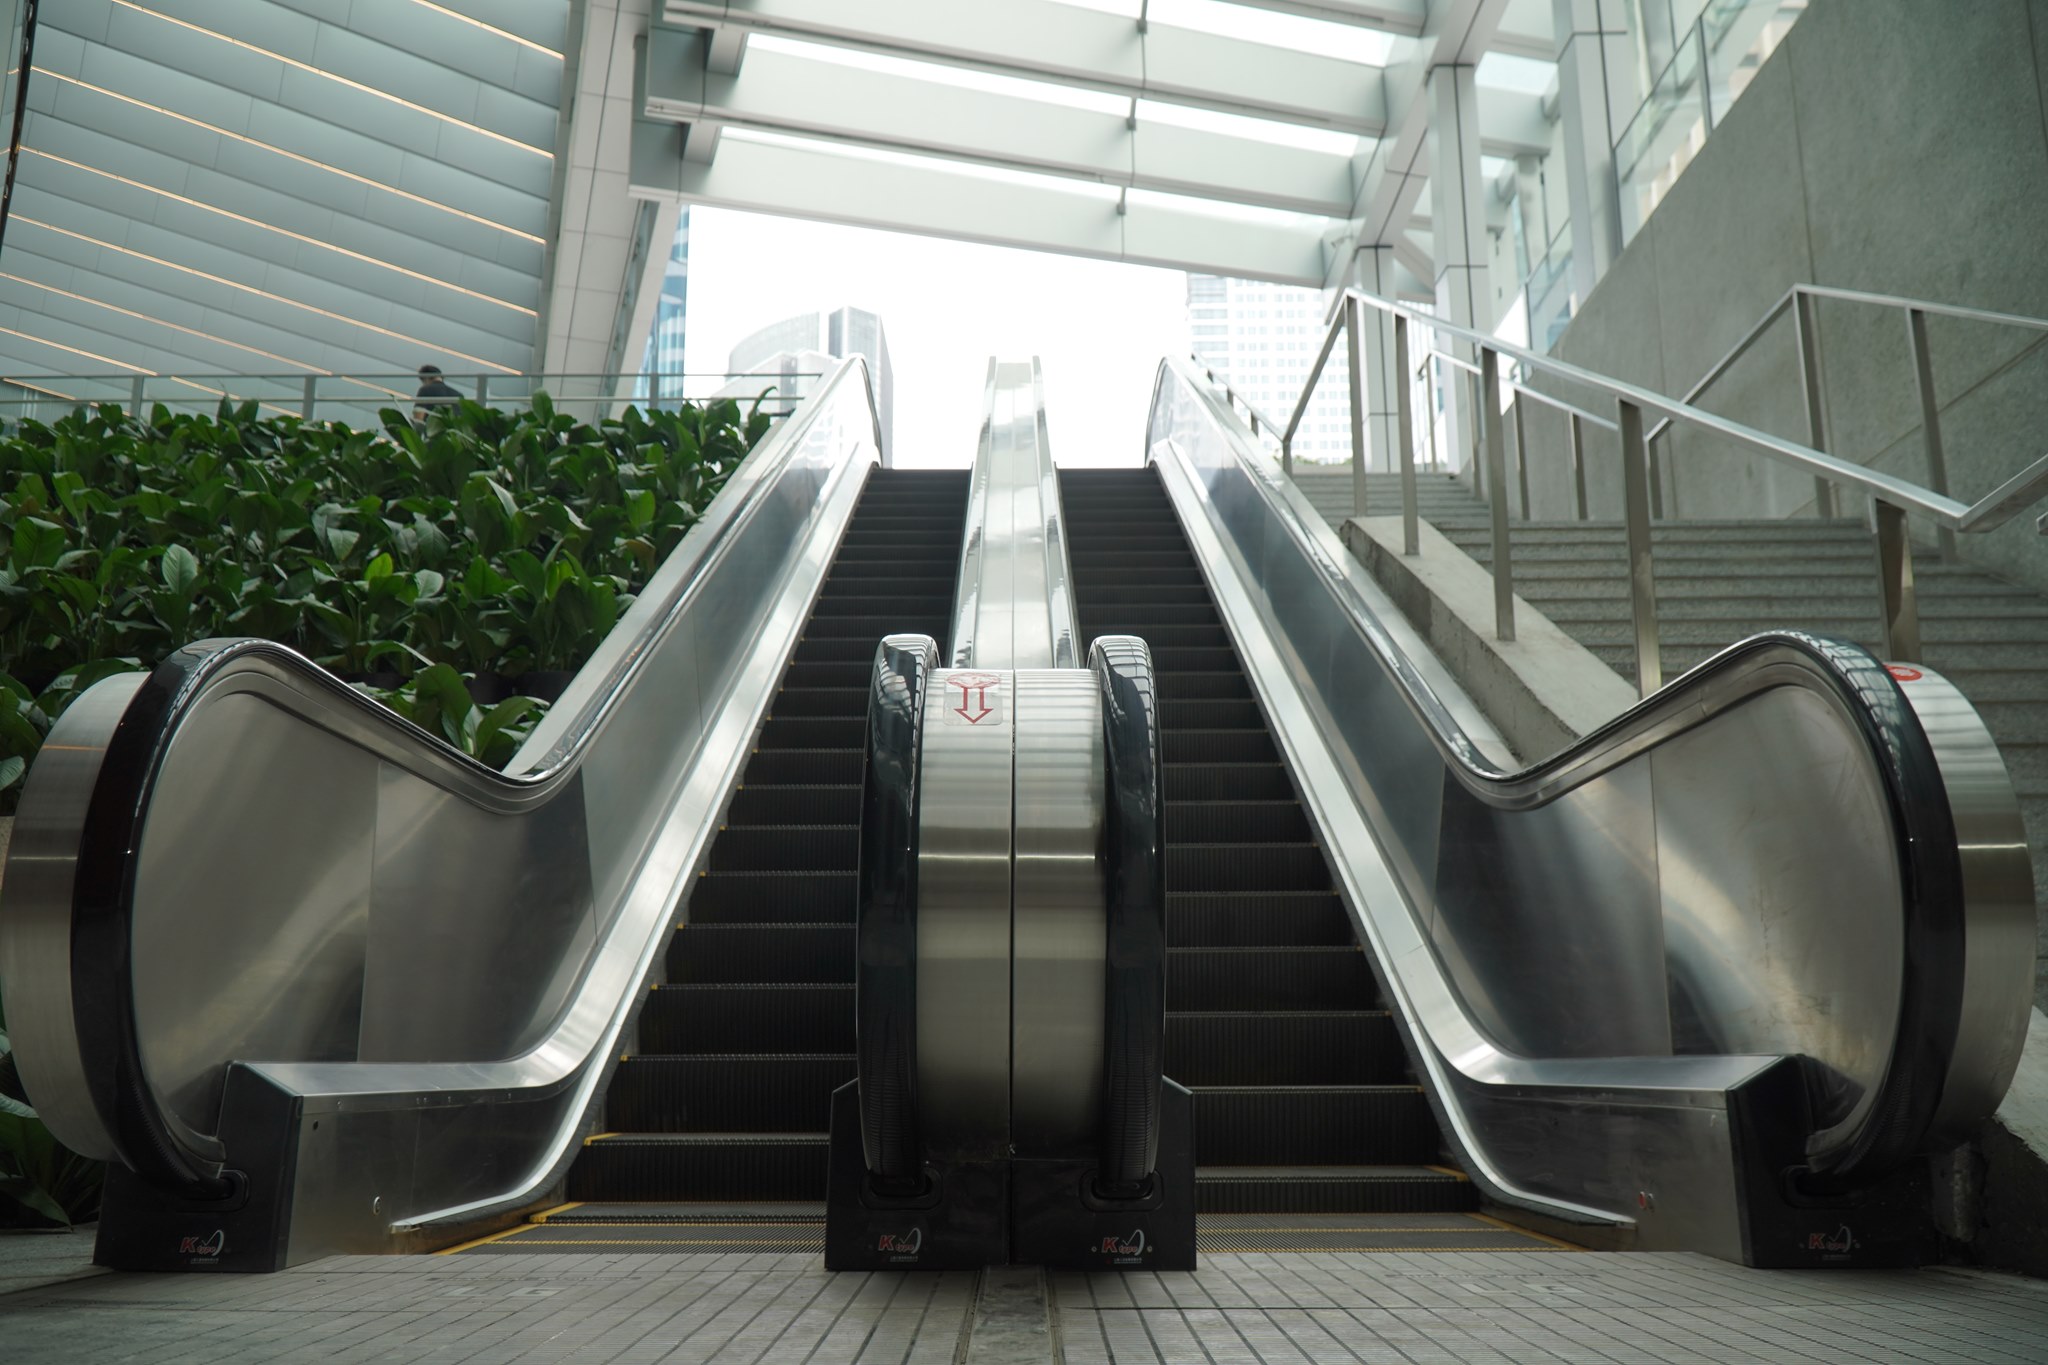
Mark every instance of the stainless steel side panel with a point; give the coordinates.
(1591, 962)
(437, 960)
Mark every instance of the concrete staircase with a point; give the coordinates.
(1718, 582)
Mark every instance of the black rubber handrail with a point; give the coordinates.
(885, 927)
(1134, 968)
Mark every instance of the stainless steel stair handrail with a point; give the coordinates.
(1893, 499)
(344, 969)
(1365, 733)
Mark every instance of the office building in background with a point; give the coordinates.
(1262, 338)
(797, 349)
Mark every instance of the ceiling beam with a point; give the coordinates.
(1044, 40)
(1457, 32)
(785, 92)
(939, 198)
(1387, 16)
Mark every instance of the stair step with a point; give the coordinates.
(786, 848)
(704, 954)
(773, 898)
(1206, 980)
(809, 804)
(1246, 867)
(1269, 1125)
(778, 1094)
(1257, 919)
(804, 1017)
(1240, 1047)
(739, 1167)
(1242, 821)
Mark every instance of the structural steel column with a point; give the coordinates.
(1373, 271)
(1457, 210)
(1596, 96)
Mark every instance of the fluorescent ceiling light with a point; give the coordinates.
(1255, 129)
(492, 29)
(1292, 31)
(965, 78)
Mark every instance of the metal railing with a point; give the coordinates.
(1892, 498)
(357, 398)
(1801, 303)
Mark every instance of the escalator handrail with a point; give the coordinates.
(1134, 963)
(885, 920)
(155, 1143)
(1924, 834)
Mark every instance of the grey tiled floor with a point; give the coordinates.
(1460, 1308)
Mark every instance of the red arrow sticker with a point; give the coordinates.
(973, 699)
(1903, 673)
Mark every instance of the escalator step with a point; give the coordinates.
(702, 954)
(1218, 746)
(773, 898)
(787, 848)
(1188, 591)
(782, 1094)
(1218, 686)
(835, 702)
(1332, 1189)
(1134, 618)
(1211, 714)
(835, 649)
(1157, 636)
(1245, 821)
(875, 604)
(1350, 1047)
(1169, 659)
(735, 1167)
(1257, 919)
(1207, 979)
(814, 732)
(855, 675)
(806, 767)
(1225, 781)
(817, 804)
(1246, 867)
(1265, 1125)
(776, 1019)
(1164, 575)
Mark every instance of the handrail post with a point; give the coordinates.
(1930, 419)
(1287, 456)
(1522, 456)
(1404, 421)
(1642, 578)
(1479, 482)
(1578, 433)
(309, 397)
(1487, 413)
(135, 397)
(1807, 333)
(1353, 352)
(1895, 573)
(483, 391)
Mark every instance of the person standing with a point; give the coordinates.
(433, 393)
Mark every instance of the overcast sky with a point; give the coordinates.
(1098, 327)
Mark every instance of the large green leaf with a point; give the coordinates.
(180, 570)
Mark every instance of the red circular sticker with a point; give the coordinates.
(1903, 673)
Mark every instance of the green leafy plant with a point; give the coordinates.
(490, 542)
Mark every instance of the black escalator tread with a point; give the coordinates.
(737, 1167)
(1246, 867)
(806, 767)
(732, 954)
(1330, 1047)
(759, 1017)
(733, 1063)
(1269, 979)
(1257, 919)
(1332, 1189)
(809, 804)
(772, 1094)
(1323, 1125)
(773, 897)
(793, 848)
(1303, 1100)
(1243, 821)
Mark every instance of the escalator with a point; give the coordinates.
(724, 1100)
(1303, 1101)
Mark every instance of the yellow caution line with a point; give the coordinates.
(597, 1137)
(512, 1231)
(665, 1241)
(1510, 1227)
(546, 1214)
(1423, 1251)
(1449, 1171)
(1295, 1232)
